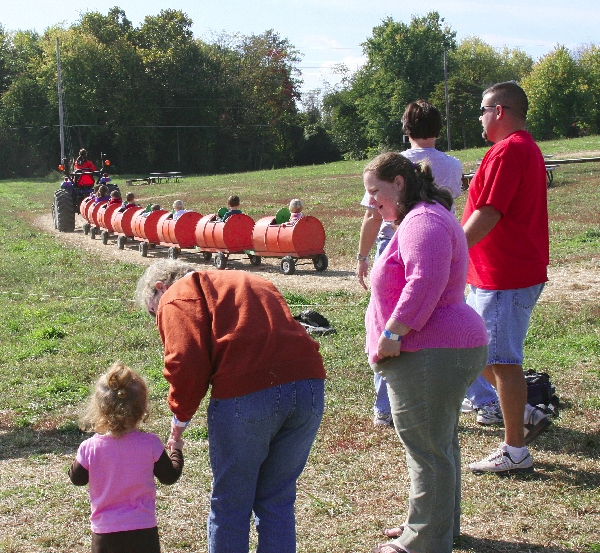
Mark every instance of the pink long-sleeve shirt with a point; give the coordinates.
(419, 281)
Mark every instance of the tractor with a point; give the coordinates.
(67, 200)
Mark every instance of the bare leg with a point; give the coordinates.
(512, 393)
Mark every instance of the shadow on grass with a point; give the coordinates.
(24, 442)
(479, 545)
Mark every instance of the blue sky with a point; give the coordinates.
(329, 32)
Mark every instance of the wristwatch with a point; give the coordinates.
(179, 423)
(362, 257)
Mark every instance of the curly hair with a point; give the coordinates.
(118, 403)
(419, 185)
(166, 271)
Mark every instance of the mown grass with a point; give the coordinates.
(68, 314)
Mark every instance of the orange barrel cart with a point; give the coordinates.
(105, 214)
(179, 233)
(92, 212)
(146, 228)
(86, 204)
(273, 237)
(224, 238)
(121, 222)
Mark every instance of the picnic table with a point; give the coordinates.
(166, 176)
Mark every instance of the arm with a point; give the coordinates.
(78, 475)
(168, 468)
(368, 234)
(480, 223)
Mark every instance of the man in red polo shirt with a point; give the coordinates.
(506, 224)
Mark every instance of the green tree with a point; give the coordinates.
(404, 63)
(556, 97)
(589, 64)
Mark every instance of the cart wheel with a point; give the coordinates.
(93, 232)
(321, 262)
(86, 228)
(206, 256)
(255, 259)
(121, 242)
(152, 245)
(288, 265)
(220, 261)
(144, 249)
(173, 253)
(104, 236)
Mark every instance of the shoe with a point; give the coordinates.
(490, 413)
(535, 422)
(383, 419)
(467, 406)
(500, 462)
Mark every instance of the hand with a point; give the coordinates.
(362, 268)
(388, 348)
(175, 445)
(175, 437)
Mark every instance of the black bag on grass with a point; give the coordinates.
(314, 323)
(541, 392)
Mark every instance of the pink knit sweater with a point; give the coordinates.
(419, 280)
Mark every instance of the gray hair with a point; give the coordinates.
(177, 205)
(166, 271)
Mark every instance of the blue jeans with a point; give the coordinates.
(426, 390)
(506, 314)
(481, 392)
(258, 446)
(382, 401)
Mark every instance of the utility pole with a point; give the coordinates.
(60, 107)
(447, 101)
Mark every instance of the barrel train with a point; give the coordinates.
(209, 235)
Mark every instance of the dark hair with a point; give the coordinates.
(233, 201)
(422, 120)
(102, 191)
(509, 94)
(82, 156)
(418, 182)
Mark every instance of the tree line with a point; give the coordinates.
(154, 98)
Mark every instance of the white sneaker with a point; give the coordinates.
(490, 413)
(467, 406)
(501, 462)
(534, 423)
(383, 419)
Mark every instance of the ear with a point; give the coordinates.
(399, 181)
(160, 286)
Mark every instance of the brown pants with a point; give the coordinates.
(132, 541)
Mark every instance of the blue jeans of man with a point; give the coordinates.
(258, 447)
(426, 390)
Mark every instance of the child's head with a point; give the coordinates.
(233, 201)
(177, 205)
(102, 191)
(115, 194)
(295, 206)
(155, 207)
(105, 175)
(119, 402)
(130, 197)
(66, 179)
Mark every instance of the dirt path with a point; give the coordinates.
(577, 282)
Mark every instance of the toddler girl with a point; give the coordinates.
(295, 211)
(120, 463)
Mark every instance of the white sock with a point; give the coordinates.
(516, 453)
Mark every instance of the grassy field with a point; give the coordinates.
(68, 314)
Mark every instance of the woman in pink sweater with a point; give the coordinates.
(427, 343)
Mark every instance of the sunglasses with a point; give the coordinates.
(483, 108)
